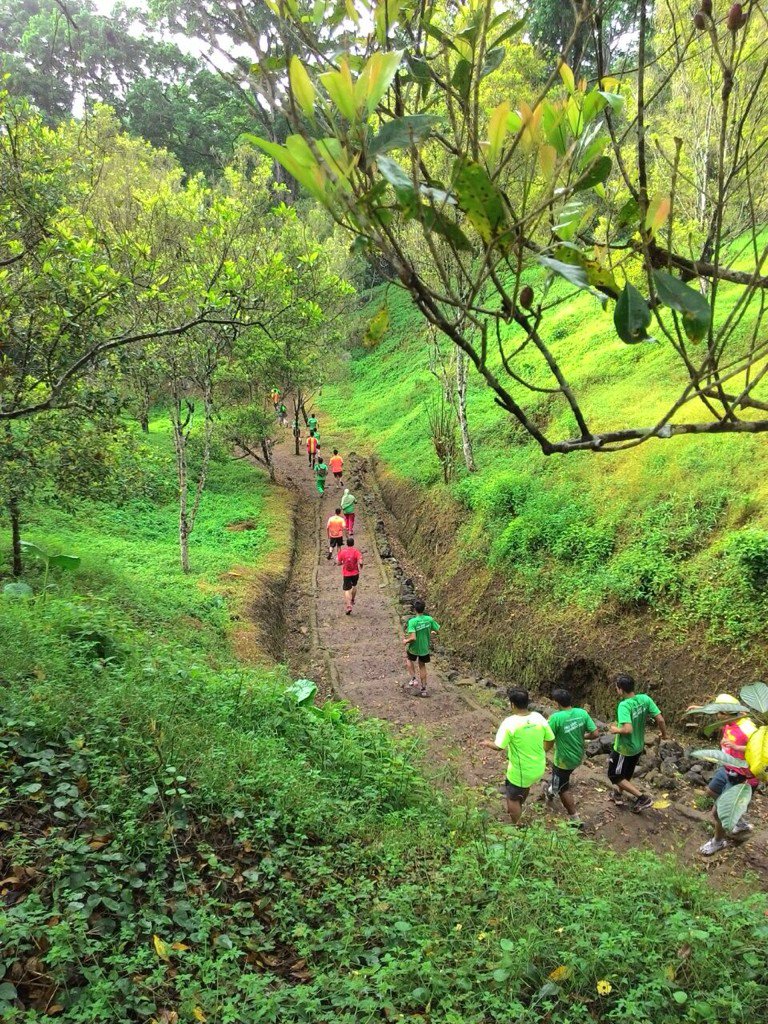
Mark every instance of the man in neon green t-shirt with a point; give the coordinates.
(571, 727)
(524, 736)
(418, 632)
(631, 715)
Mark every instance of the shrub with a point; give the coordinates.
(749, 550)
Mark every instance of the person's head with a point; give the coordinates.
(335, 451)
(562, 697)
(350, 542)
(311, 433)
(518, 698)
(419, 606)
(338, 511)
(625, 683)
(346, 490)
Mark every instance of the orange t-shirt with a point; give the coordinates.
(336, 462)
(335, 526)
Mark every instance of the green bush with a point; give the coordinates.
(749, 550)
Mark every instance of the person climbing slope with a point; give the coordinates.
(321, 472)
(525, 736)
(631, 715)
(274, 395)
(570, 726)
(335, 531)
(283, 414)
(418, 632)
(312, 425)
(351, 562)
(348, 502)
(312, 449)
(336, 465)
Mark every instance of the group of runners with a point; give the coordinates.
(526, 736)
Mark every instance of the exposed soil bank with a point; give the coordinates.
(498, 632)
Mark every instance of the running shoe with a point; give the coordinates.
(713, 845)
(642, 804)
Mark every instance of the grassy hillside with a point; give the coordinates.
(679, 526)
(181, 841)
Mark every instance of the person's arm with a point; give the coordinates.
(661, 725)
(621, 730)
(490, 745)
(409, 638)
(548, 744)
(592, 735)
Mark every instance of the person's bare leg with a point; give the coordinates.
(627, 787)
(411, 669)
(353, 592)
(348, 601)
(423, 676)
(515, 810)
(567, 800)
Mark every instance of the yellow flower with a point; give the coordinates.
(482, 936)
(604, 987)
(458, 928)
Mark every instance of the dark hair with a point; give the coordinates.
(311, 433)
(335, 451)
(338, 511)
(562, 697)
(625, 683)
(518, 697)
(350, 541)
(418, 605)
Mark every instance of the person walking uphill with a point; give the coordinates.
(312, 449)
(336, 466)
(571, 726)
(351, 562)
(321, 472)
(633, 711)
(525, 736)
(417, 635)
(335, 530)
(348, 502)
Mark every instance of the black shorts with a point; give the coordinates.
(349, 582)
(423, 659)
(561, 779)
(337, 475)
(622, 766)
(514, 792)
(336, 542)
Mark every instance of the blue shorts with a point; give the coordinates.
(723, 780)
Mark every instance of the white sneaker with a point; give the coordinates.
(713, 846)
(742, 827)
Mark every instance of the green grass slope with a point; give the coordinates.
(181, 841)
(679, 526)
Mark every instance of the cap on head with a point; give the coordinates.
(518, 697)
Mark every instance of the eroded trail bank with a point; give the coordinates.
(359, 658)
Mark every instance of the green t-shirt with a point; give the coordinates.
(569, 727)
(348, 503)
(523, 738)
(312, 423)
(321, 469)
(422, 626)
(634, 710)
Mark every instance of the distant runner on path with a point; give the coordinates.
(335, 530)
(525, 736)
(321, 472)
(631, 715)
(336, 465)
(418, 631)
(348, 502)
(312, 425)
(283, 414)
(274, 395)
(351, 562)
(312, 449)
(571, 726)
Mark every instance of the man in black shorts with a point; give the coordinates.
(418, 632)
(629, 730)
(351, 562)
(335, 530)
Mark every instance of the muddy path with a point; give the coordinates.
(359, 658)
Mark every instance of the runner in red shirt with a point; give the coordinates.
(351, 562)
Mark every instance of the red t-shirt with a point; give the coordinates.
(311, 444)
(349, 559)
(736, 734)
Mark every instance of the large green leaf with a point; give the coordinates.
(303, 690)
(479, 198)
(493, 60)
(462, 78)
(718, 757)
(434, 220)
(403, 132)
(719, 709)
(17, 589)
(309, 177)
(570, 271)
(687, 301)
(732, 805)
(756, 696)
(596, 174)
(632, 316)
(397, 177)
(756, 754)
(64, 561)
(301, 86)
(34, 550)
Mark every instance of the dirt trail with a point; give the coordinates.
(359, 658)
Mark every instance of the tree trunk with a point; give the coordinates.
(13, 513)
(180, 445)
(461, 391)
(144, 421)
(267, 452)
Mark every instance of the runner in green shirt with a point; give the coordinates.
(571, 726)
(417, 636)
(525, 736)
(321, 472)
(633, 711)
(312, 425)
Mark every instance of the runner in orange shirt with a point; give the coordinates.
(336, 466)
(311, 449)
(335, 530)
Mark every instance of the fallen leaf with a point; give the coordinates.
(179, 946)
(198, 1014)
(161, 948)
(661, 805)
